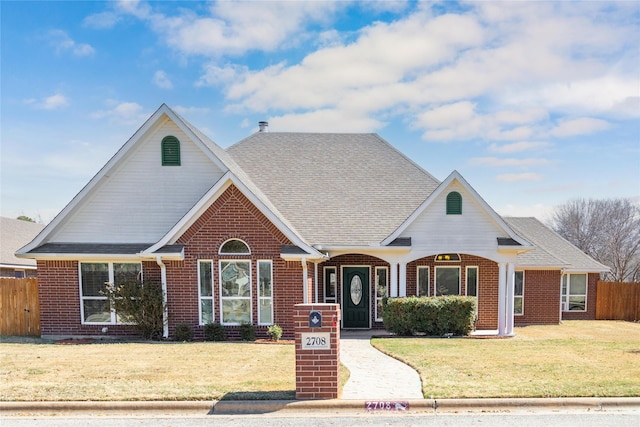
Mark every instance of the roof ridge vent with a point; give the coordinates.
(264, 126)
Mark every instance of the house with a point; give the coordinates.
(243, 234)
(14, 234)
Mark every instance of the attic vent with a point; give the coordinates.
(264, 126)
(170, 151)
(454, 203)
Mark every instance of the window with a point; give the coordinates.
(265, 293)
(518, 294)
(234, 247)
(574, 292)
(235, 292)
(447, 281)
(94, 277)
(170, 151)
(205, 286)
(454, 203)
(472, 281)
(382, 290)
(423, 282)
(330, 284)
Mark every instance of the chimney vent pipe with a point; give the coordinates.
(264, 126)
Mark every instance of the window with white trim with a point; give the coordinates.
(518, 293)
(265, 293)
(94, 278)
(330, 284)
(382, 290)
(574, 292)
(447, 281)
(234, 247)
(205, 290)
(235, 292)
(423, 281)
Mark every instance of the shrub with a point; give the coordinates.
(214, 332)
(139, 304)
(247, 332)
(275, 332)
(433, 316)
(183, 332)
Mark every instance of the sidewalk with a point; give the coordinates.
(374, 375)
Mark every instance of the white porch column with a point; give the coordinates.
(393, 280)
(511, 267)
(502, 292)
(315, 281)
(403, 280)
(305, 282)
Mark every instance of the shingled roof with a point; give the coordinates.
(336, 189)
(550, 249)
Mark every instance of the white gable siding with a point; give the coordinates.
(475, 231)
(139, 200)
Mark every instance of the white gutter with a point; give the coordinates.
(165, 310)
(305, 279)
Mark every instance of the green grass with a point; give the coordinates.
(579, 358)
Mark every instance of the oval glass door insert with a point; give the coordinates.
(356, 290)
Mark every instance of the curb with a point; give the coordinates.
(246, 407)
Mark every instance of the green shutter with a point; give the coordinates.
(170, 151)
(454, 203)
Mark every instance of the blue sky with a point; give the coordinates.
(534, 103)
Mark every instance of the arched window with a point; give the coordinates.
(234, 247)
(454, 203)
(170, 151)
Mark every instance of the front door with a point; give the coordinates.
(355, 297)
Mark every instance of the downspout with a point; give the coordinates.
(315, 264)
(165, 312)
(305, 280)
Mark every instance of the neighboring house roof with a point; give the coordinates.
(14, 234)
(550, 249)
(336, 189)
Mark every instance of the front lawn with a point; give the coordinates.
(577, 358)
(597, 358)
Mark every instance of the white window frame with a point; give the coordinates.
(378, 316)
(516, 296)
(223, 298)
(435, 278)
(113, 315)
(261, 297)
(326, 270)
(565, 294)
(202, 298)
(234, 253)
(428, 269)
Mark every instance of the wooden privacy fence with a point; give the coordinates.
(19, 308)
(618, 301)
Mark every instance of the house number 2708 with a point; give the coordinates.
(316, 341)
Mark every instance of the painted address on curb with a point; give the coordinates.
(386, 406)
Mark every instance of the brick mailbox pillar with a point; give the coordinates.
(317, 331)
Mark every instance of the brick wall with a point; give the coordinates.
(541, 298)
(231, 216)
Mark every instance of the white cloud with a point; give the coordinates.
(513, 177)
(122, 112)
(61, 41)
(53, 102)
(322, 120)
(495, 161)
(103, 20)
(161, 80)
(190, 110)
(516, 147)
(580, 126)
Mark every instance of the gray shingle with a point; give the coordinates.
(551, 250)
(335, 189)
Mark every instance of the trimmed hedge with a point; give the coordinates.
(431, 316)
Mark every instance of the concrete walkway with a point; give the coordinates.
(374, 375)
